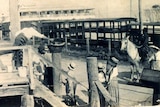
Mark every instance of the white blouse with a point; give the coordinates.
(114, 73)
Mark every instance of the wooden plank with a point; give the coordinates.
(14, 18)
(56, 58)
(134, 95)
(6, 48)
(31, 75)
(105, 93)
(14, 90)
(12, 78)
(151, 75)
(27, 101)
(43, 92)
(92, 72)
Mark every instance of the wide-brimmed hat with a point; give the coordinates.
(113, 61)
(71, 66)
(100, 65)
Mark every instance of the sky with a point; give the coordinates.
(103, 8)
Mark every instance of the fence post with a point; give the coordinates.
(56, 59)
(92, 71)
(66, 43)
(87, 45)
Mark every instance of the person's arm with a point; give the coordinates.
(36, 33)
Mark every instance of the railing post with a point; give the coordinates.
(92, 71)
(32, 84)
(56, 59)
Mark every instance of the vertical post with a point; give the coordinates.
(140, 15)
(130, 8)
(14, 18)
(1, 36)
(109, 45)
(87, 45)
(66, 43)
(56, 59)
(27, 101)
(31, 75)
(92, 71)
(33, 41)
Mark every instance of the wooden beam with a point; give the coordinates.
(56, 58)
(14, 90)
(31, 75)
(92, 72)
(12, 78)
(13, 48)
(14, 18)
(43, 92)
(27, 101)
(151, 75)
(105, 93)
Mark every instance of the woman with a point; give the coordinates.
(102, 79)
(112, 72)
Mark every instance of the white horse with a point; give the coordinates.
(135, 58)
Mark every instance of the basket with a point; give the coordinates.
(56, 48)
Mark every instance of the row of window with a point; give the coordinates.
(57, 12)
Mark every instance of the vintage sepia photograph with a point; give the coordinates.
(80, 53)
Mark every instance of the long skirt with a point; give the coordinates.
(113, 89)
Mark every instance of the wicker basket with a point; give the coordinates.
(56, 48)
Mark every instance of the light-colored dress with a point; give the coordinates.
(113, 87)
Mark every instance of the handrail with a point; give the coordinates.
(28, 47)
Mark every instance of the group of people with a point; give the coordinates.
(108, 77)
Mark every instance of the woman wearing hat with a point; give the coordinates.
(102, 79)
(112, 72)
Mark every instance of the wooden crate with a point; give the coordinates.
(11, 84)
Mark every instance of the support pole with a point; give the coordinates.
(140, 15)
(56, 59)
(92, 71)
(66, 43)
(14, 18)
(27, 101)
(87, 45)
(56, 50)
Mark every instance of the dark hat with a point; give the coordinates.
(113, 61)
(100, 65)
(71, 66)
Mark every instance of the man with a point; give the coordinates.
(23, 37)
(25, 34)
(70, 85)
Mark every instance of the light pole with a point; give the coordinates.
(130, 8)
(140, 15)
